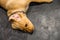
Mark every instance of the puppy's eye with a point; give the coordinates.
(26, 25)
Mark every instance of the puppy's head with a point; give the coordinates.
(20, 21)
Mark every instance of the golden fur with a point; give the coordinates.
(19, 20)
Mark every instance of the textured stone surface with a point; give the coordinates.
(45, 17)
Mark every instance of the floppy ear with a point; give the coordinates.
(14, 25)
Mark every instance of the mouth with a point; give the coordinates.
(28, 30)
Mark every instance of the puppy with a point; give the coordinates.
(16, 11)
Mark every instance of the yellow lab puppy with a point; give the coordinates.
(16, 11)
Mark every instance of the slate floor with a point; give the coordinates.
(45, 17)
